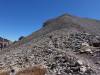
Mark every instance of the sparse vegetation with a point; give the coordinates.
(4, 73)
(32, 71)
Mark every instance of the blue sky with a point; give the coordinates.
(22, 17)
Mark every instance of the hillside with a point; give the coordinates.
(67, 21)
(66, 45)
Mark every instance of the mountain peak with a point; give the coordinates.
(63, 19)
(65, 15)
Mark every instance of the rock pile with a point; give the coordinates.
(58, 53)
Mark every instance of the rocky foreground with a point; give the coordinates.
(64, 50)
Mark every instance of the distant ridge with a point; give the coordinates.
(4, 43)
(3, 39)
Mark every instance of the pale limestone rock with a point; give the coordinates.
(80, 62)
(83, 69)
(85, 44)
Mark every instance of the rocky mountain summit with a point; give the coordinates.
(66, 45)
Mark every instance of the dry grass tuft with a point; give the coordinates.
(4, 73)
(33, 71)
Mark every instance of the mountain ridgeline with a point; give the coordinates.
(66, 20)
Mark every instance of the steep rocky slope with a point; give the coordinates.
(66, 45)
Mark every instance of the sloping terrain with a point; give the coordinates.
(66, 45)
